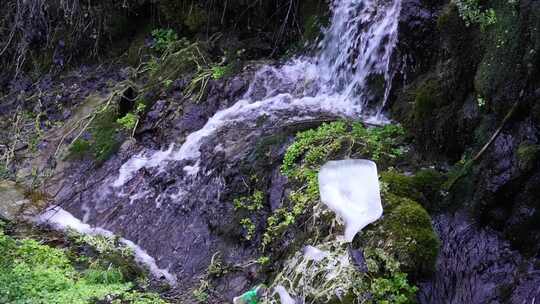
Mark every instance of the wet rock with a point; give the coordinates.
(477, 265)
(12, 200)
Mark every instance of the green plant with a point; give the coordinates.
(217, 267)
(264, 260)
(163, 39)
(35, 273)
(221, 71)
(130, 121)
(253, 202)
(472, 13)
(249, 227)
(312, 148)
(201, 293)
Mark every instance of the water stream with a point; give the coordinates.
(357, 45)
(169, 201)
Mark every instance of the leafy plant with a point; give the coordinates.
(201, 293)
(312, 148)
(472, 13)
(251, 203)
(130, 121)
(31, 272)
(163, 39)
(249, 227)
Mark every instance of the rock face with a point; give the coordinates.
(477, 265)
(179, 219)
(454, 91)
(12, 200)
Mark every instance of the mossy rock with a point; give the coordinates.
(528, 155)
(501, 63)
(405, 232)
(400, 184)
(427, 98)
(424, 186)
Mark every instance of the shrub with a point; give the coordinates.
(163, 39)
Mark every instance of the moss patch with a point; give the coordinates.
(528, 155)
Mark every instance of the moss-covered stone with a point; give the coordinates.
(426, 99)
(528, 155)
(405, 232)
(400, 184)
(503, 51)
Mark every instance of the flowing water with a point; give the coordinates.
(170, 202)
(356, 47)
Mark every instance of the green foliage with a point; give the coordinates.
(335, 279)
(312, 148)
(472, 13)
(31, 272)
(128, 122)
(264, 260)
(201, 293)
(134, 297)
(252, 202)
(217, 267)
(222, 71)
(503, 46)
(249, 227)
(393, 290)
(163, 39)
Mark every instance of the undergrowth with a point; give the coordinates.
(32, 272)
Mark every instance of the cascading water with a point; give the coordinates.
(169, 201)
(358, 45)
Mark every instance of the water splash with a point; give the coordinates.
(356, 47)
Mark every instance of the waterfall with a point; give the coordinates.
(356, 46)
(169, 201)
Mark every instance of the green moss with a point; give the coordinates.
(528, 155)
(106, 140)
(429, 182)
(502, 44)
(80, 148)
(312, 148)
(405, 232)
(400, 184)
(426, 99)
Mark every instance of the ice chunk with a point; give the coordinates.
(60, 219)
(351, 189)
(314, 253)
(284, 296)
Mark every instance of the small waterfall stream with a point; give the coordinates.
(169, 201)
(357, 45)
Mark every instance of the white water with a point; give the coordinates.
(359, 43)
(284, 296)
(312, 253)
(59, 219)
(351, 189)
